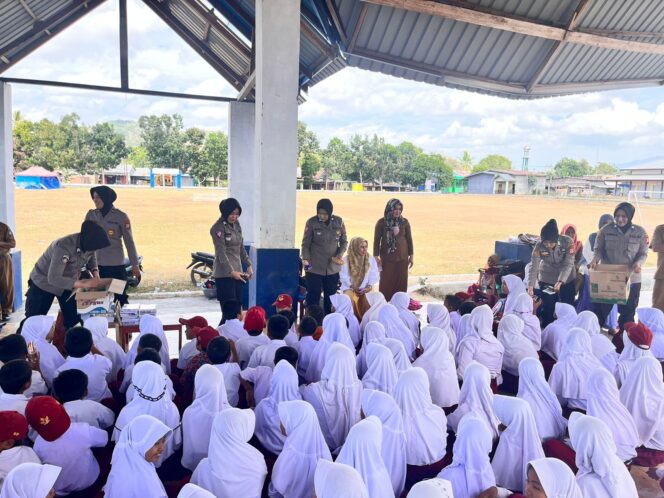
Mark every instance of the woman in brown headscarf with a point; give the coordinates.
(358, 275)
(393, 249)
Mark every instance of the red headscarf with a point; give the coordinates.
(578, 246)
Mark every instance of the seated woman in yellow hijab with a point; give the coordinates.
(358, 275)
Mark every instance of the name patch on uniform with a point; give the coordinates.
(65, 259)
(318, 232)
(111, 232)
(228, 238)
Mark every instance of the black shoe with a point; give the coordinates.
(5, 317)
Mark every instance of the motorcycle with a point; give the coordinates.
(132, 281)
(201, 267)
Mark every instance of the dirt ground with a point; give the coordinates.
(453, 234)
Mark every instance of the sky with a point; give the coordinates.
(617, 127)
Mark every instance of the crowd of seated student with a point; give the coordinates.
(269, 407)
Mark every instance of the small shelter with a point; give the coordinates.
(37, 177)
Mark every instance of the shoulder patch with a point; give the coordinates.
(219, 234)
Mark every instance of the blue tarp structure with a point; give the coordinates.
(37, 177)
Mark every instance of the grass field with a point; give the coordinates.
(453, 234)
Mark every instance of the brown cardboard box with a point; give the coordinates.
(99, 299)
(609, 284)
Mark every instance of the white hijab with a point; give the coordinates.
(401, 301)
(432, 488)
(481, 323)
(35, 329)
(463, 331)
(630, 353)
(643, 395)
(342, 304)
(393, 451)
(283, 387)
(132, 476)
(554, 334)
(150, 324)
(381, 372)
(399, 355)
(476, 397)
(601, 473)
(438, 363)
(570, 373)
(518, 445)
(362, 451)
(198, 417)
(515, 287)
(293, 472)
(373, 332)
(334, 480)
(546, 408)
(424, 423)
(395, 328)
(605, 351)
(30, 480)
(192, 491)
(98, 326)
(334, 331)
(523, 308)
(653, 318)
(556, 478)
(440, 317)
(376, 301)
(336, 397)
(517, 346)
(470, 472)
(604, 403)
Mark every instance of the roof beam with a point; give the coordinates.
(124, 46)
(517, 25)
(27, 8)
(248, 86)
(358, 27)
(337, 21)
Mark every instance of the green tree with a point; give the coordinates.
(107, 147)
(23, 130)
(492, 161)
(568, 167)
(407, 153)
(309, 153)
(138, 157)
(193, 160)
(603, 168)
(163, 139)
(336, 159)
(466, 161)
(215, 151)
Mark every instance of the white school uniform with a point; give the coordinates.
(439, 317)
(233, 330)
(35, 329)
(338, 479)
(523, 308)
(97, 368)
(13, 457)
(264, 355)
(554, 334)
(29, 479)
(187, 352)
(90, 412)
(98, 326)
(37, 385)
(150, 324)
(371, 277)
(192, 491)
(438, 363)
(517, 346)
(342, 304)
(516, 287)
(334, 331)
(72, 452)
(305, 348)
(401, 301)
(432, 488)
(628, 357)
(376, 301)
(373, 332)
(245, 347)
(291, 336)
(231, 374)
(381, 373)
(653, 318)
(480, 345)
(396, 329)
(261, 378)
(13, 403)
(455, 318)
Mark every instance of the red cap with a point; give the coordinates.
(13, 426)
(639, 334)
(464, 296)
(283, 301)
(205, 335)
(48, 417)
(254, 319)
(194, 321)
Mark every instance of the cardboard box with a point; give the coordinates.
(100, 299)
(609, 284)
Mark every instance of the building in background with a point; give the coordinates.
(496, 181)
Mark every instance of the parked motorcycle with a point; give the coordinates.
(132, 281)
(201, 267)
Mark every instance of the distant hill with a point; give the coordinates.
(130, 131)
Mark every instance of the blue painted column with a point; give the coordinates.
(151, 178)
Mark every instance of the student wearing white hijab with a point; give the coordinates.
(470, 472)
(653, 318)
(198, 417)
(30, 480)
(480, 345)
(438, 363)
(395, 328)
(546, 408)
(424, 423)
(373, 332)
(334, 331)
(305, 446)
(643, 396)
(569, 375)
(283, 387)
(601, 473)
(376, 301)
(381, 372)
(630, 353)
(151, 398)
(587, 320)
(463, 330)
(399, 355)
(36, 329)
(518, 445)
(438, 316)
(553, 478)
(523, 308)
(362, 451)
(393, 451)
(517, 346)
(150, 324)
(554, 334)
(476, 397)
(335, 480)
(604, 403)
(98, 326)
(432, 488)
(233, 467)
(513, 286)
(133, 473)
(401, 301)
(337, 396)
(343, 305)
(192, 491)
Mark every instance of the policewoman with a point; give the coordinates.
(229, 253)
(323, 247)
(553, 267)
(118, 229)
(57, 272)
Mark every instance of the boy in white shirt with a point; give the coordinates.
(14, 347)
(15, 378)
(71, 388)
(189, 350)
(13, 430)
(277, 328)
(254, 323)
(221, 353)
(256, 381)
(291, 337)
(306, 345)
(78, 343)
(65, 443)
(231, 326)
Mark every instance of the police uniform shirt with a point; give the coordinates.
(322, 242)
(613, 247)
(60, 265)
(117, 226)
(553, 265)
(229, 252)
(6, 235)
